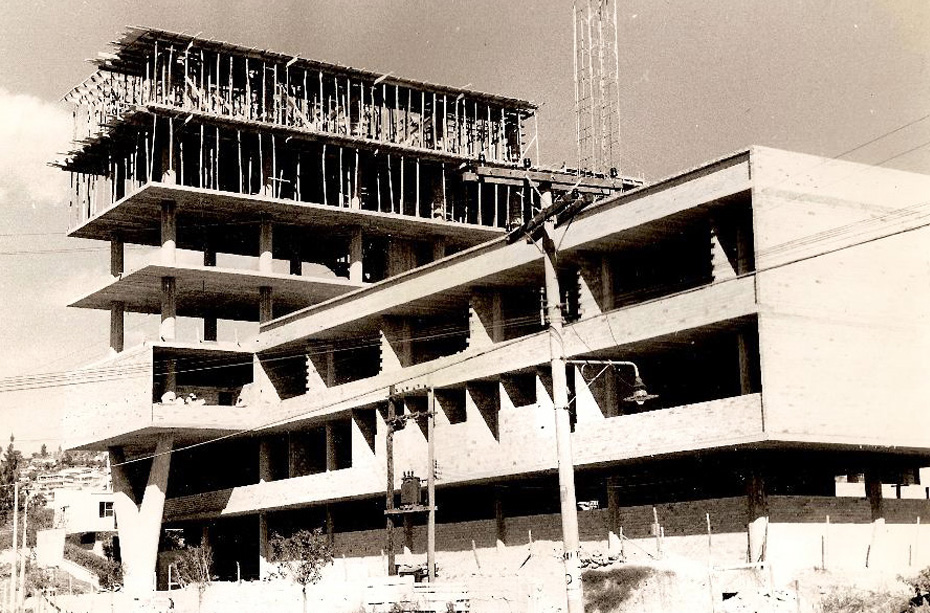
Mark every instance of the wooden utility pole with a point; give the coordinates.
(24, 555)
(569, 510)
(389, 494)
(431, 485)
(14, 596)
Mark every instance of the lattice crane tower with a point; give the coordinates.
(597, 85)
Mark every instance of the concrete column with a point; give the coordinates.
(757, 515)
(209, 328)
(873, 491)
(139, 522)
(264, 461)
(607, 284)
(117, 324)
(297, 265)
(265, 304)
(515, 208)
(209, 255)
(876, 554)
(356, 201)
(265, 245)
(613, 504)
(356, 271)
(209, 320)
(330, 526)
(400, 257)
(265, 565)
(117, 257)
(169, 232)
(439, 248)
(330, 447)
(745, 364)
(499, 520)
(268, 169)
(438, 206)
(167, 157)
(743, 247)
(169, 309)
(171, 375)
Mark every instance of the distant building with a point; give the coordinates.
(83, 511)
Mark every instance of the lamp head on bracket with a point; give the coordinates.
(640, 395)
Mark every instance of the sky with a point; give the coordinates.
(700, 79)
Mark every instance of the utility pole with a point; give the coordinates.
(389, 494)
(431, 485)
(13, 593)
(25, 553)
(569, 508)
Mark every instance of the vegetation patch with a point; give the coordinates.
(606, 590)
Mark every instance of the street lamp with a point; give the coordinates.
(639, 395)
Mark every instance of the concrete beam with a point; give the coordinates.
(396, 349)
(618, 328)
(721, 268)
(485, 319)
(321, 368)
(595, 285)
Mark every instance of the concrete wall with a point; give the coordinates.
(114, 402)
(797, 536)
(843, 335)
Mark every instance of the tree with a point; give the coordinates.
(301, 556)
(43, 453)
(10, 466)
(192, 565)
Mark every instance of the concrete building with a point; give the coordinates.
(83, 511)
(772, 301)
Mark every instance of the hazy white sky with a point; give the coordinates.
(701, 78)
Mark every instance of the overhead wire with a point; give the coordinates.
(145, 365)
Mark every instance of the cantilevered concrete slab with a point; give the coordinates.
(136, 219)
(225, 293)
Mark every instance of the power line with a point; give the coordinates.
(814, 241)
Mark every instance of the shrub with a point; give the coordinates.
(109, 573)
(192, 565)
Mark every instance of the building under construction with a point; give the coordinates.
(392, 230)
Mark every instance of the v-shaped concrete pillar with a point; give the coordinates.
(139, 522)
